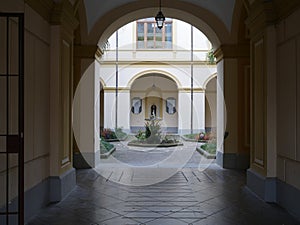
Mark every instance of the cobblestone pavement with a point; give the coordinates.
(198, 194)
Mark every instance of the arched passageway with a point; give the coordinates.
(250, 38)
(228, 33)
(158, 96)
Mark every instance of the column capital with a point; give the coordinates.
(261, 15)
(188, 90)
(232, 51)
(113, 89)
(42, 7)
(285, 8)
(63, 14)
(87, 51)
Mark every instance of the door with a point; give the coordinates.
(11, 118)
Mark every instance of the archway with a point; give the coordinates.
(154, 94)
(224, 34)
(211, 104)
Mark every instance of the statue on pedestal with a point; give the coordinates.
(153, 110)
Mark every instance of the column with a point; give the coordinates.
(184, 111)
(124, 109)
(86, 115)
(62, 173)
(262, 172)
(199, 111)
(232, 106)
(109, 107)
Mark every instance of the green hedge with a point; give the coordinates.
(209, 147)
(105, 146)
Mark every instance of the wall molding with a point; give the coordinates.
(232, 51)
(42, 7)
(86, 51)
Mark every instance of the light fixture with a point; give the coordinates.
(160, 18)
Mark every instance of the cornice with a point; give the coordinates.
(63, 14)
(265, 13)
(261, 14)
(232, 51)
(85, 51)
(156, 63)
(285, 8)
(113, 89)
(188, 89)
(42, 7)
(126, 89)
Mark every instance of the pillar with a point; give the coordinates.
(184, 111)
(233, 106)
(199, 110)
(124, 108)
(261, 175)
(62, 173)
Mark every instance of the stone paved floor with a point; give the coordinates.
(192, 196)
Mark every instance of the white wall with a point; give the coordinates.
(179, 71)
(181, 37)
(211, 104)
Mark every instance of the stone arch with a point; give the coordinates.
(223, 38)
(201, 18)
(143, 73)
(141, 88)
(209, 79)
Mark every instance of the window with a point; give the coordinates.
(171, 105)
(149, 36)
(136, 106)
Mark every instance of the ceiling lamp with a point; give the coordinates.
(160, 18)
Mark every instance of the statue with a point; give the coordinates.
(153, 110)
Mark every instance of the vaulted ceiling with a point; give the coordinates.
(219, 20)
(223, 9)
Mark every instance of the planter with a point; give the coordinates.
(165, 145)
(192, 140)
(117, 139)
(205, 154)
(107, 154)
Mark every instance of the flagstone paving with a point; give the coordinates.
(193, 195)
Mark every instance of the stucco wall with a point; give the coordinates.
(288, 100)
(36, 94)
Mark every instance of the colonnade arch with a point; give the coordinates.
(226, 43)
(153, 89)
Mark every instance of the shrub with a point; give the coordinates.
(107, 133)
(105, 146)
(141, 136)
(210, 147)
(153, 133)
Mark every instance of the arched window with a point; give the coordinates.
(136, 106)
(171, 105)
